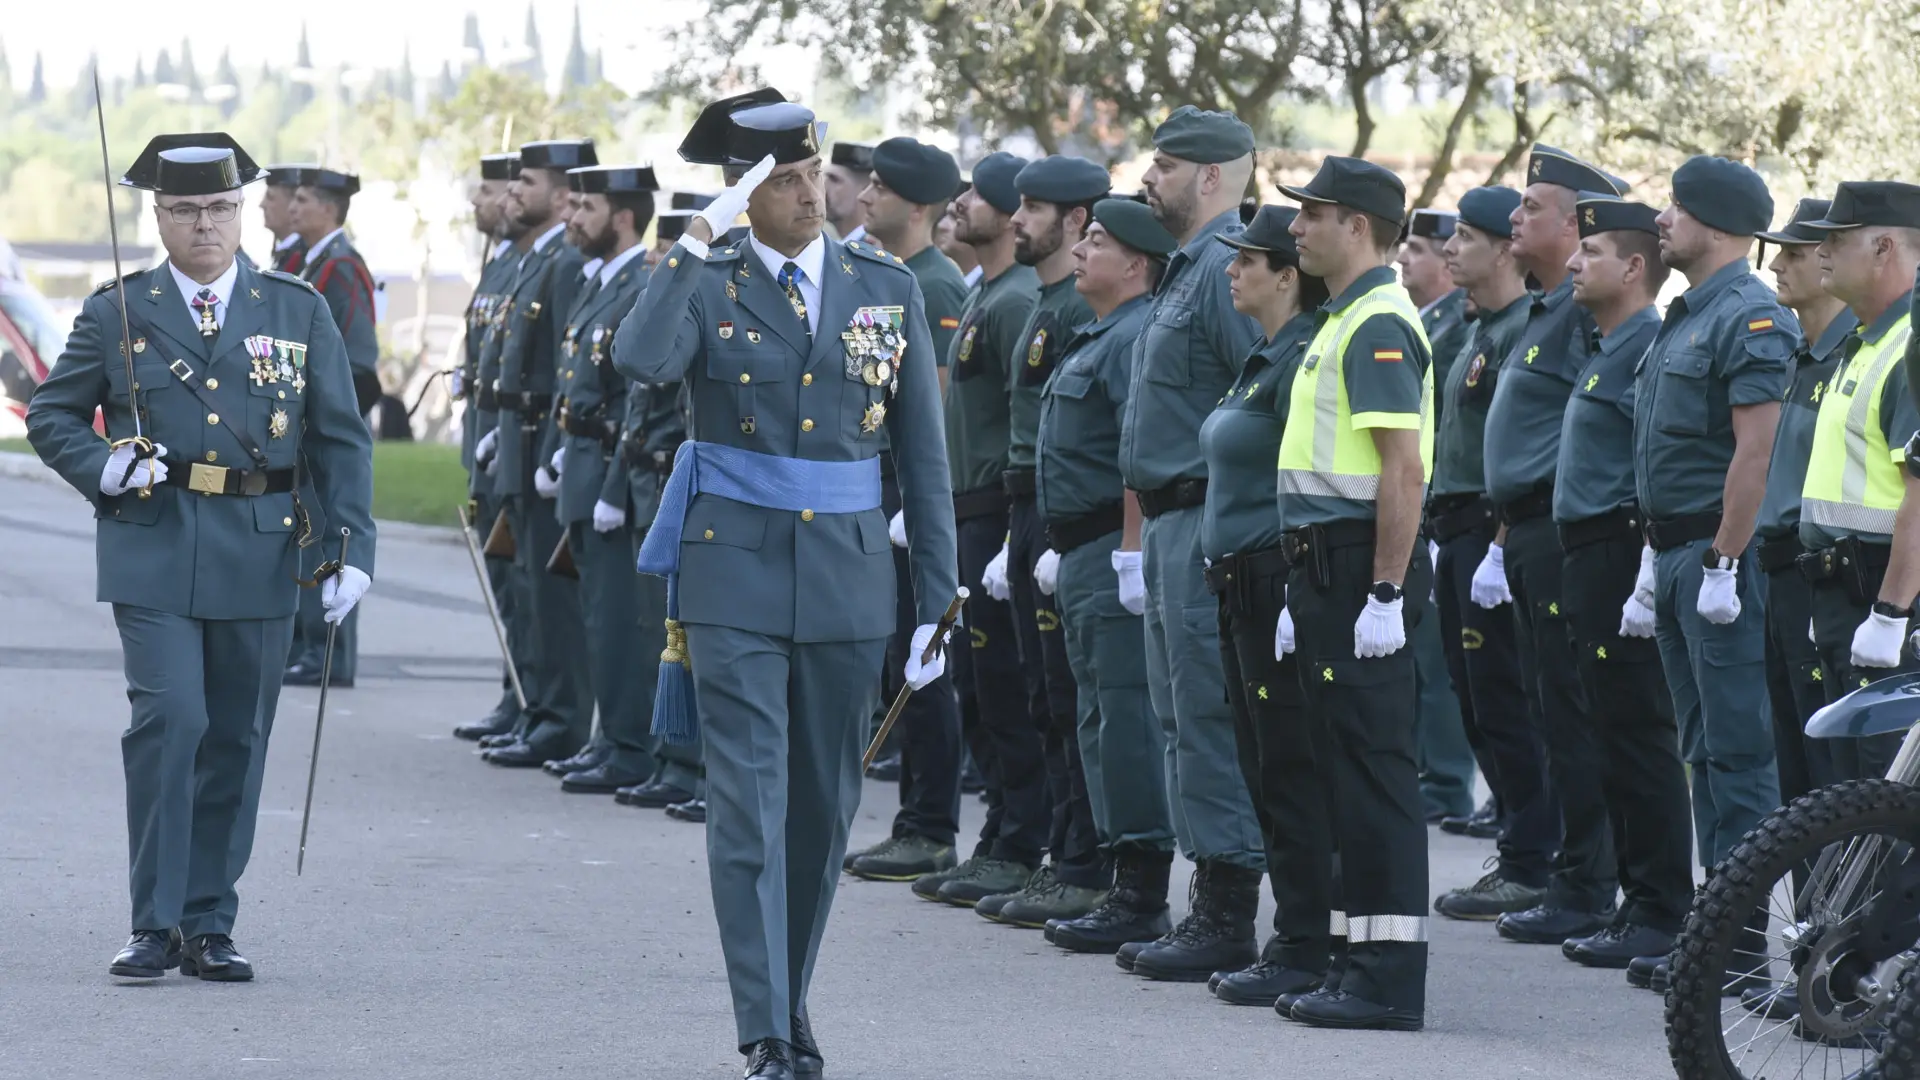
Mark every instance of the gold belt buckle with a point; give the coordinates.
(207, 479)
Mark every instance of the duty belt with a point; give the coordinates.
(1066, 534)
(980, 502)
(1851, 563)
(1233, 577)
(525, 401)
(1535, 503)
(220, 480)
(1452, 516)
(1019, 483)
(487, 397)
(592, 424)
(1620, 523)
(1179, 495)
(634, 452)
(1780, 553)
(1685, 529)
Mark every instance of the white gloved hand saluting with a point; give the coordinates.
(732, 202)
(1133, 585)
(545, 482)
(920, 674)
(558, 463)
(607, 517)
(341, 592)
(1719, 601)
(1877, 641)
(1046, 572)
(995, 578)
(897, 529)
(1489, 588)
(1380, 630)
(114, 478)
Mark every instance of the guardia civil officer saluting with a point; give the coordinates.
(240, 377)
(797, 349)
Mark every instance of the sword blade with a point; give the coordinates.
(119, 273)
(319, 722)
(493, 607)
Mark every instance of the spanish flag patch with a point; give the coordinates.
(1757, 325)
(1388, 356)
(949, 324)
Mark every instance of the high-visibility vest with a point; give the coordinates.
(1854, 479)
(1321, 452)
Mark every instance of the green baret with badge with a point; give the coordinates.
(227, 395)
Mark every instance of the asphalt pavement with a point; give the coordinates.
(461, 921)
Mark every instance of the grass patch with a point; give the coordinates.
(417, 482)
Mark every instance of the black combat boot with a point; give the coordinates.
(1135, 910)
(1216, 935)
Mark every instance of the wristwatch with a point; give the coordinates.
(1713, 560)
(1386, 592)
(1888, 611)
(1913, 456)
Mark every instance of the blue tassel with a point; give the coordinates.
(674, 715)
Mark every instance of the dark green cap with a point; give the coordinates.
(1268, 231)
(916, 171)
(1490, 209)
(1798, 231)
(994, 177)
(1063, 179)
(1723, 194)
(1357, 185)
(1872, 202)
(1603, 211)
(1207, 138)
(1551, 165)
(1134, 225)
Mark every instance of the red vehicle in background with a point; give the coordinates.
(31, 337)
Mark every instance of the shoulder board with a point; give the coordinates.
(111, 282)
(880, 255)
(286, 278)
(718, 253)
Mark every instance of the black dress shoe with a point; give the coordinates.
(1263, 983)
(807, 1062)
(499, 724)
(212, 958)
(590, 756)
(535, 750)
(694, 810)
(1617, 946)
(1283, 1005)
(505, 738)
(1340, 1009)
(1640, 970)
(1550, 925)
(655, 795)
(602, 779)
(149, 954)
(305, 675)
(770, 1059)
(1486, 823)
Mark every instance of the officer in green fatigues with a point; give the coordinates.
(500, 231)
(1796, 684)
(910, 188)
(1190, 352)
(797, 349)
(1707, 400)
(1354, 460)
(1090, 515)
(1056, 204)
(1004, 737)
(242, 382)
(1247, 571)
(559, 693)
(1616, 275)
(1855, 479)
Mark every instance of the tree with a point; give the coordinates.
(531, 63)
(446, 86)
(163, 68)
(188, 73)
(403, 80)
(1361, 41)
(576, 72)
(472, 49)
(139, 71)
(37, 89)
(301, 94)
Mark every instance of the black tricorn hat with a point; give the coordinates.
(691, 200)
(602, 179)
(499, 166)
(1432, 224)
(340, 183)
(198, 163)
(289, 175)
(742, 129)
(561, 154)
(670, 224)
(853, 155)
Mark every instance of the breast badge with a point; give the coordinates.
(875, 339)
(1475, 367)
(1037, 349)
(871, 420)
(277, 424)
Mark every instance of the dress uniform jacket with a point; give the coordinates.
(336, 270)
(593, 394)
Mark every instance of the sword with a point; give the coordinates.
(940, 631)
(319, 719)
(142, 446)
(493, 607)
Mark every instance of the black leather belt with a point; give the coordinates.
(1621, 523)
(1452, 516)
(525, 401)
(1018, 483)
(1179, 495)
(1780, 553)
(489, 397)
(220, 480)
(979, 502)
(1299, 543)
(636, 455)
(1234, 572)
(1685, 529)
(592, 424)
(1065, 534)
(1850, 561)
(1535, 503)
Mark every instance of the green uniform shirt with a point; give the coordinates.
(1793, 439)
(1724, 343)
(1044, 339)
(1459, 465)
(976, 401)
(1898, 417)
(1596, 434)
(1241, 440)
(1190, 351)
(1077, 455)
(1449, 328)
(1543, 367)
(945, 290)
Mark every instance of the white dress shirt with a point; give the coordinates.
(612, 266)
(222, 287)
(811, 261)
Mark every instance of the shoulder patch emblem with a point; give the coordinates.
(1037, 349)
(1475, 368)
(966, 344)
(1755, 326)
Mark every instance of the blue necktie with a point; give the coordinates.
(789, 279)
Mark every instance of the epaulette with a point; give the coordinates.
(876, 254)
(290, 279)
(730, 253)
(111, 282)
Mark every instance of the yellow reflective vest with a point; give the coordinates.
(1854, 479)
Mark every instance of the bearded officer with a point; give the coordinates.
(781, 577)
(240, 377)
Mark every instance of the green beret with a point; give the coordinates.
(1133, 224)
(1207, 138)
(1723, 194)
(1063, 179)
(993, 179)
(916, 171)
(1490, 209)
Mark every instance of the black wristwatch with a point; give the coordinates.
(1713, 560)
(1913, 456)
(1387, 592)
(1888, 611)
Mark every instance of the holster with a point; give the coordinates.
(560, 563)
(500, 543)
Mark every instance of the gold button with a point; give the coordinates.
(213, 418)
(288, 522)
(806, 425)
(745, 378)
(673, 262)
(283, 395)
(807, 379)
(213, 384)
(806, 515)
(213, 455)
(136, 386)
(709, 534)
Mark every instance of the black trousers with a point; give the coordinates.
(1483, 652)
(1372, 774)
(1004, 736)
(1280, 748)
(1071, 837)
(1642, 782)
(1583, 877)
(928, 731)
(1796, 685)
(1836, 615)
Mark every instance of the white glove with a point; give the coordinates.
(732, 202)
(1433, 560)
(1283, 635)
(558, 463)
(995, 579)
(544, 482)
(1643, 584)
(1636, 618)
(339, 593)
(457, 383)
(1133, 586)
(1380, 631)
(1877, 642)
(607, 517)
(919, 674)
(483, 450)
(897, 529)
(1046, 572)
(1719, 601)
(116, 468)
(1489, 589)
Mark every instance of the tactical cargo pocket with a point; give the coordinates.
(1168, 354)
(1681, 408)
(1071, 384)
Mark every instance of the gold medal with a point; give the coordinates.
(277, 424)
(875, 415)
